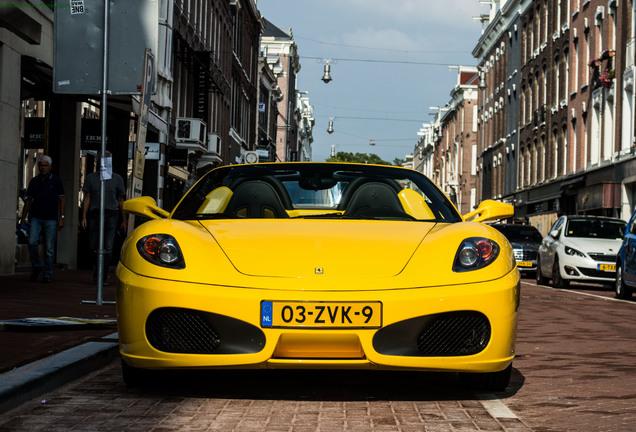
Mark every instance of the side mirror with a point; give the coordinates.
(554, 233)
(145, 206)
(490, 210)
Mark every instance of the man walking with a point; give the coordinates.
(114, 215)
(45, 206)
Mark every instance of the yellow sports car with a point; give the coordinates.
(318, 265)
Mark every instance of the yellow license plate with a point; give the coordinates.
(607, 267)
(297, 314)
(524, 264)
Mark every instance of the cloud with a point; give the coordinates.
(445, 12)
(391, 39)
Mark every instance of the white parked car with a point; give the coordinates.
(581, 249)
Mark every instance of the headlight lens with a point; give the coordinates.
(573, 252)
(475, 253)
(162, 250)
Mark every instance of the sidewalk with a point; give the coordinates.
(35, 359)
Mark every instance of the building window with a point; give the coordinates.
(574, 146)
(555, 163)
(575, 76)
(557, 80)
(564, 159)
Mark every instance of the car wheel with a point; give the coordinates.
(541, 280)
(557, 280)
(490, 381)
(134, 377)
(621, 290)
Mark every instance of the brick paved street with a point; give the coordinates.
(574, 372)
(261, 401)
(576, 353)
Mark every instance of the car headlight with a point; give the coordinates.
(475, 253)
(573, 252)
(162, 250)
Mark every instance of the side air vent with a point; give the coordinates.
(188, 331)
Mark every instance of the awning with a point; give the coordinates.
(572, 181)
(542, 199)
(153, 117)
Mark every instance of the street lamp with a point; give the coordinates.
(326, 77)
(330, 128)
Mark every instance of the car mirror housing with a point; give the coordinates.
(145, 206)
(554, 233)
(490, 210)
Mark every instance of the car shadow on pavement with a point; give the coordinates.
(315, 385)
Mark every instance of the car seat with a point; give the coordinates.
(255, 199)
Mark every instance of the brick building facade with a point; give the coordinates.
(555, 109)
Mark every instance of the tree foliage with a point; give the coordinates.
(364, 158)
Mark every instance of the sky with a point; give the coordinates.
(389, 63)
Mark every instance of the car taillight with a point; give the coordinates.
(162, 250)
(475, 253)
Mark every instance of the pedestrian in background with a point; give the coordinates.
(44, 206)
(114, 215)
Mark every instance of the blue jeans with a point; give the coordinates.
(47, 228)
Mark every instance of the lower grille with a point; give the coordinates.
(447, 334)
(188, 331)
(596, 273)
(455, 334)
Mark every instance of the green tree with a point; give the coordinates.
(358, 158)
(398, 162)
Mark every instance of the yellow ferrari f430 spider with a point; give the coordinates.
(318, 265)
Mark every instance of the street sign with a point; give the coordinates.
(142, 124)
(79, 45)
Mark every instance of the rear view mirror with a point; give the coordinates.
(145, 206)
(490, 210)
(315, 182)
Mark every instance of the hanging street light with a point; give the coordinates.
(326, 77)
(330, 128)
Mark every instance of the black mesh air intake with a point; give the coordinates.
(189, 331)
(448, 334)
(454, 334)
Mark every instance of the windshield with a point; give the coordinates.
(595, 228)
(520, 233)
(315, 190)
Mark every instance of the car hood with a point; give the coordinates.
(275, 248)
(594, 245)
(309, 254)
(527, 245)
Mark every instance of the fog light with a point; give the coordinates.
(571, 271)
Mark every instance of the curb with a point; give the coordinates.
(34, 379)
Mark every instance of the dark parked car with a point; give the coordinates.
(626, 262)
(525, 241)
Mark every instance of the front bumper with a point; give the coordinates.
(221, 327)
(587, 270)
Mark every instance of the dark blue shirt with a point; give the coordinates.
(45, 194)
